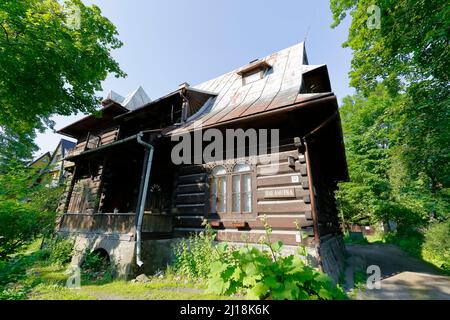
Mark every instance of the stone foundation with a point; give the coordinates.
(332, 256)
(120, 248)
(157, 254)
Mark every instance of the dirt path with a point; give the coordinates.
(403, 276)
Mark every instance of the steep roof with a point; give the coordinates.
(46, 156)
(280, 86)
(134, 100)
(66, 145)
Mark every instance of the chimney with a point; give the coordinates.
(184, 85)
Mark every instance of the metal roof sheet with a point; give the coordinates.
(279, 87)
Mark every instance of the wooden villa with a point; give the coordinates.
(125, 194)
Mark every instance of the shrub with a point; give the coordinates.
(431, 244)
(96, 266)
(20, 224)
(27, 209)
(407, 239)
(267, 274)
(436, 246)
(13, 294)
(194, 255)
(60, 250)
(258, 275)
(355, 238)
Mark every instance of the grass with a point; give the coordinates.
(120, 290)
(29, 275)
(375, 238)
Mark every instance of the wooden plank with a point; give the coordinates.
(108, 134)
(186, 170)
(194, 210)
(281, 168)
(189, 222)
(277, 157)
(190, 188)
(108, 140)
(295, 192)
(280, 180)
(114, 223)
(286, 222)
(192, 178)
(157, 223)
(253, 237)
(190, 198)
(285, 206)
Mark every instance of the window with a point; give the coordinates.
(218, 189)
(254, 71)
(252, 77)
(242, 189)
(235, 185)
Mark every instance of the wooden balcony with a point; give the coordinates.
(121, 223)
(94, 141)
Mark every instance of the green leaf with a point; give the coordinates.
(258, 291)
(277, 246)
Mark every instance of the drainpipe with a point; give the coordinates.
(143, 195)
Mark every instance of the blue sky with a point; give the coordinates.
(167, 42)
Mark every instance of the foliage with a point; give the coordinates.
(430, 244)
(15, 146)
(194, 255)
(60, 250)
(267, 274)
(15, 282)
(411, 45)
(396, 127)
(27, 210)
(50, 64)
(32, 275)
(96, 266)
(349, 239)
(436, 247)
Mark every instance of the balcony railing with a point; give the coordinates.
(114, 223)
(94, 141)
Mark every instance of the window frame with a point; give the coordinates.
(229, 213)
(218, 177)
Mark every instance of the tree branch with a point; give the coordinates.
(6, 33)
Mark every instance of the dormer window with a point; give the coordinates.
(251, 77)
(253, 72)
(316, 81)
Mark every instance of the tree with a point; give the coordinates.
(409, 57)
(53, 57)
(411, 45)
(15, 147)
(27, 209)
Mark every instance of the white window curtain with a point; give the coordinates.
(242, 189)
(218, 189)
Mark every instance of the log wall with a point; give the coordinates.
(282, 196)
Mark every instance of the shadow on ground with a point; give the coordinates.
(403, 276)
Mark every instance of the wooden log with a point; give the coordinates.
(285, 206)
(284, 222)
(192, 169)
(280, 180)
(280, 168)
(192, 178)
(190, 188)
(270, 193)
(194, 209)
(190, 198)
(277, 157)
